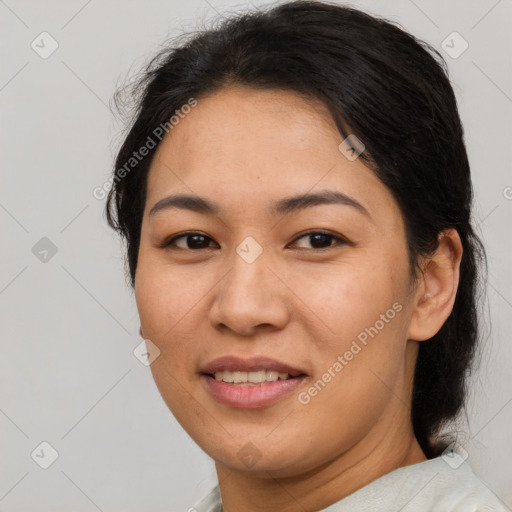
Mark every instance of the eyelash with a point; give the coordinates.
(167, 244)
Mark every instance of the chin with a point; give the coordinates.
(260, 458)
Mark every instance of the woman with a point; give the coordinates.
(295, 196)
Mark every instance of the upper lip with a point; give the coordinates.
(233, 363)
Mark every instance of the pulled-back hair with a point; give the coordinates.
(379, 83)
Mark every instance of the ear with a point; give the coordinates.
(436, 287)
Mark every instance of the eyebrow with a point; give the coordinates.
(282, 207)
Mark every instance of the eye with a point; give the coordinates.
(321, 240)
(192, 240)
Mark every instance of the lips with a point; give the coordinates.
(233, 390)
(232, 363)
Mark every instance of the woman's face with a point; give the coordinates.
(250, 282)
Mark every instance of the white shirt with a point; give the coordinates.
(442, 484)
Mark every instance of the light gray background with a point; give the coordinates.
(69, 326)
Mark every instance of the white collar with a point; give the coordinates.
(444, 484)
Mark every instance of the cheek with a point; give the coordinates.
(364, 320)
(165, 294)
(350, 295)
(165, 301)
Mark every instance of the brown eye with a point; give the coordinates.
(188, 241)
(321, 240)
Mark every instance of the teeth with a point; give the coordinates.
(227, 376)
(272, 376)
(239, 377)
(257, 377)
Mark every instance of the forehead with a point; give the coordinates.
(241, 144)
(241, 122)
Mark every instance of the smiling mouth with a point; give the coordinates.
(252, 378)
(251, 395)
(250, 383)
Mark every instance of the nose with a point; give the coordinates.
(250, 298)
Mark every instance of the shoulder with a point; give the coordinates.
(447, 484)
(443, 484)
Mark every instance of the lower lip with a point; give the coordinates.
(250, 397)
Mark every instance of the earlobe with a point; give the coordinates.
(437, 287)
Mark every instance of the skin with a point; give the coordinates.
(245, 149)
